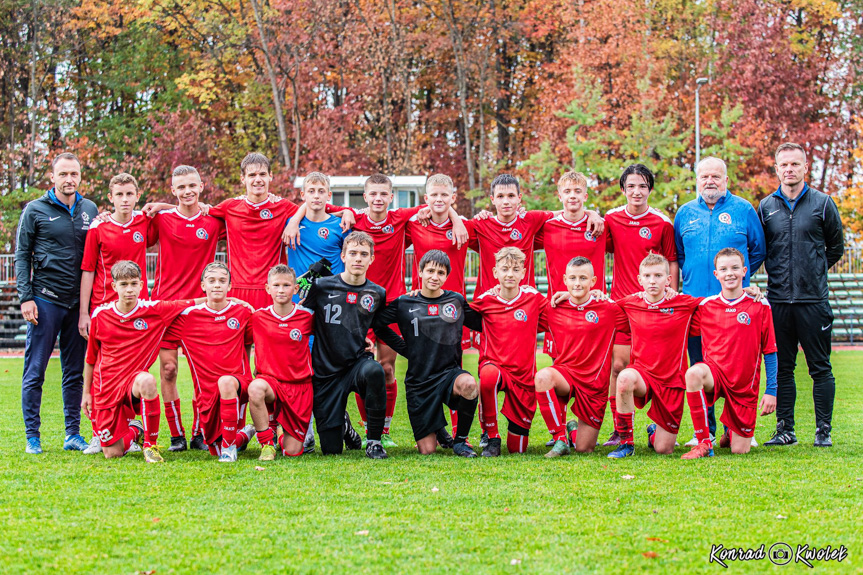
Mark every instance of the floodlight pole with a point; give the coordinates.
(698, 83)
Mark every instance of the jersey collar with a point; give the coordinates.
(204, 306)
(189, 219)
(589, 301)
(258, 205)
(732, 302)
(283, 317)
(563, 219)
(125, 315)
(127, 224)
(513, 300)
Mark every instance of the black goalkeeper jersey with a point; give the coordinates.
(432, 332)
(343, 316)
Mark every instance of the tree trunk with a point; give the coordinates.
(388, 128)
(34, 92)
(295, 109)
(274, 85)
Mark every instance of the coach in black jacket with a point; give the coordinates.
(804, 239)
(50, 246)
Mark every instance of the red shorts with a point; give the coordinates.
(666, 403)
(589, 404)
(740, 411)
(293, 405)
(257, 297)
(111, 424)
(393, 326)
(519, 401)
(548, 345)
(622, 338)
(209, 416)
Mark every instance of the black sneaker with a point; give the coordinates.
(463, 450)
(822, 436)
(493, 448)
(352, 438)
(781, 436)
(483, 440)
(198, 443)
(374, 450)
(444, 439)
(178, 444)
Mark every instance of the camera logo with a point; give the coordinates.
(780, 554)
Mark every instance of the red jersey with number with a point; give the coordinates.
(110, 242)
(584, 336)
(509, 331)
(630, 239)
(488, 236)
(388, 269)
(215, 345)
(563, 240)
(122, 345)
(734, 335)
(186, 246)
(282, 343)
(254, 237)
(659, 334)
(437, 237)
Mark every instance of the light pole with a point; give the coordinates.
(698, 83)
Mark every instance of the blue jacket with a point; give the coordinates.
(700, 232)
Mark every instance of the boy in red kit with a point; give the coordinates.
(511, 317)
(122, 345)
(736, 331)
(584, 328)
(217, 337)
(283, 367)
(634, 230)
(660, 328)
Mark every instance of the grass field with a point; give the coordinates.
(66, 512)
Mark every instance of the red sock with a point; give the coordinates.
(453, 417)
(549, 407)
(392, 394)
(612, 403)
(130, 438)
(361, 406)
(698, 410)
(214, 449)
(516, 443)
(175, 419)
(151, 413)
(489, 379)
(624, 427)
(229, 410)
(266, 437)
(573, 435)
(271, 413)
(196, 419)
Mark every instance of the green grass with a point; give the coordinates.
(518, 514)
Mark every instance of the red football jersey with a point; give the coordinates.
(734, 335)
(584, 336)
(186, 246)
(659, 335)
(215, 345)
(388, 269)
(437, 237)
(121, 345)
(254, 237)
(109, 242)
(564, 240)
(630, 239)
(509, 331)
(488, 236)
(282, 343)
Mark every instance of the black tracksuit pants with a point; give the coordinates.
(810, 325)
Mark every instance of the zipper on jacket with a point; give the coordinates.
(791, 255)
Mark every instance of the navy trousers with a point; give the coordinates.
(53, 320)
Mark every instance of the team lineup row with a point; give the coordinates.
(624, 371)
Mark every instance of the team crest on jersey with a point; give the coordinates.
(589, 236)
(388, 229)
(140, 324)
(645, 233)
(266, 215)
(367, 302)
(515, 235)
(520, 315)
(449, 235)
(202, 234)
(324, 233)
(138, 237)
(352, 297)
(85, 217)
(743, 318)
(592, 317)
(725, 218)
(449, 310)
(433, 309)
(296, 335)
(234, 323)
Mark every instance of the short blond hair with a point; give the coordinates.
(575, 177)
(122, 179)
(440, 180)
(316, 178)
(510, 254)
(653, 259)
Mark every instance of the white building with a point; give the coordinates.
(348, 190)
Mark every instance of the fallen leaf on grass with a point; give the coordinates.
(363, 532)
(515, 562)
(156, 519)
(657, 539)
(655, 511)
(259, 468)
(650, 554)
(781, 517)
(627, 477)
(150, 572)
(388, 482)
(435, 489)
(506, 508)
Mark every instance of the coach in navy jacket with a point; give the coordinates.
(804, 240)
(715, 220)
(49, 249)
